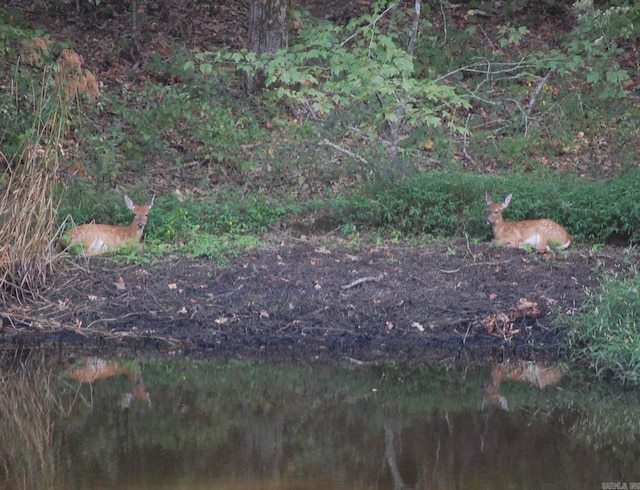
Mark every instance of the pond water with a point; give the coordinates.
(179, 424)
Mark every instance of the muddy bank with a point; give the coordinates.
(326, 300)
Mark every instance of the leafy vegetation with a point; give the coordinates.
(605, 333)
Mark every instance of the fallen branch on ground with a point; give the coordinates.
(357, 282)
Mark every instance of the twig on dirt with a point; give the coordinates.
(116, 319)
(453, 271)
(214, 297)
(466, 334)
(466, 236)
(51, 325)
(357, 282)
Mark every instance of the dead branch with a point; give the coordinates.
(344, 151)
(536, 92)
(362, 280)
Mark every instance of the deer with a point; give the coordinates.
(96, 239)
(534, 373)
(541, 234)
(95, 368)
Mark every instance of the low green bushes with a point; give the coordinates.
(451, 204)
(436, 204)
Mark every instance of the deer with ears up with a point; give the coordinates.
(96, 239)
(541, 234)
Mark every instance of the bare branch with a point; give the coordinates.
(357, 282)
(414, 28)
(371, 24)
(538, 89)
(344, 151)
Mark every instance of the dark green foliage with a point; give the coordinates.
(442, 204)
(435, 203)
(174, 219)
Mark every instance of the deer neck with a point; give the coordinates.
(498, 225)
(134, 229)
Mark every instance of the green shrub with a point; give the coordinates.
(605, 333)
(600, 209)
(447, 204)
(219, 247)
(442, 204)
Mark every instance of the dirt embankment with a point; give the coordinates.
(327, 300)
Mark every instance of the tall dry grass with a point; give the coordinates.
(31, 183)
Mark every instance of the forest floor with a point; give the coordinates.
(325, 298)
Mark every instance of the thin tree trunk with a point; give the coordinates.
(268, 32)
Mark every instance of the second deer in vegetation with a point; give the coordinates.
(541, 234)
(96, 239)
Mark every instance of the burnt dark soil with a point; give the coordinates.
(301, 300)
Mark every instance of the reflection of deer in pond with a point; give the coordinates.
(534, 373)
(95, 368)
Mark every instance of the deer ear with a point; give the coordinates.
(129, 203)
(487, 197)
(507, 200)
(151, 202)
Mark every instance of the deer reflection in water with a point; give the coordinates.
(95, 368)
(534, 373)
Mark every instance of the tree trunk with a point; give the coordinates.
(268, 32)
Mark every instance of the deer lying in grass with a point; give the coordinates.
(96, 239)
(541, 234)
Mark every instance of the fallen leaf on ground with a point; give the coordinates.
(418, 326)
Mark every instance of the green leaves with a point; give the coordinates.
(335, 68)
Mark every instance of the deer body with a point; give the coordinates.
(540, 234)
(95, 368)
(96, 239)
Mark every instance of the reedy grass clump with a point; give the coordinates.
(29, 202)
(605, 333)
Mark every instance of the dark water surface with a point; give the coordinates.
(246, 425)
